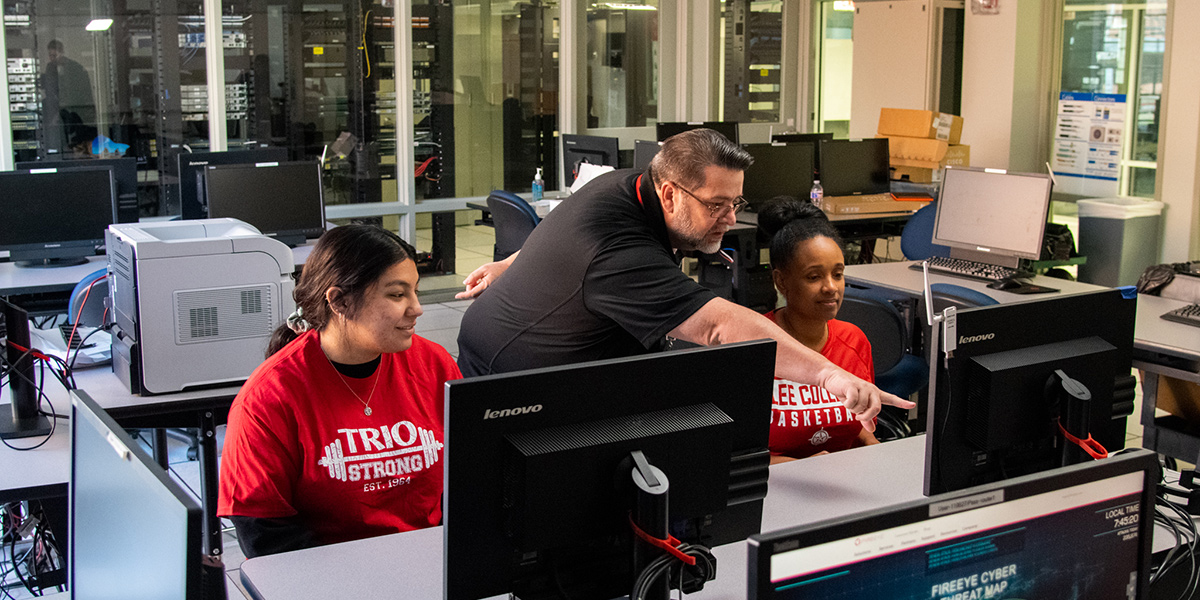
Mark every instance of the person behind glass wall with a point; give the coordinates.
(338, 435)
(69, 109)
(808, 268)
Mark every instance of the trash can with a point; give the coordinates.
(1120, 238)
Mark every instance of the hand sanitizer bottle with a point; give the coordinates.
(539, 186)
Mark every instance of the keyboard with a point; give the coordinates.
(968, 268)
(1188, 315)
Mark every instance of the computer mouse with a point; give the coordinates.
(1006, 284)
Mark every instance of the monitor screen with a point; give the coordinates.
(135, 532)
(590, 149)
(998, 400)
(282, 200)
(191, 177)
(728, 129)
(993, 211)
(124, 172)
(55, 217)
(778, 170)
(537, 464)
(1076, 532)
(854, 167)
(793, 138)
(643, 153)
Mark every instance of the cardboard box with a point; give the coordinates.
(853, 205)
(928, 171)
(903, 122)
(1178, 397)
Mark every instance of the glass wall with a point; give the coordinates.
(622, 64)
(1118, 49)
(835, 60)
(752, 45)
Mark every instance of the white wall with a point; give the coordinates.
(1178, 181)
(989, 73)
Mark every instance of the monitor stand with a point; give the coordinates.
(11, 429)
(51, 263)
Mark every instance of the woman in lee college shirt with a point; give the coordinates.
(807, 264)
(338, 434)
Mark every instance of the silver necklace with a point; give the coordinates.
(366, 403)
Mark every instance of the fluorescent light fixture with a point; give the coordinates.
(99, 25)
(624, 6)
(847, 5)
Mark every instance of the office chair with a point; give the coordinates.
(87, 300)
(949, 294)
(916, 240)
(514, 219)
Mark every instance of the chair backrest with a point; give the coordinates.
(916, 240)
(514, 219)
(881, 322)
(948, 294)
(87, 300)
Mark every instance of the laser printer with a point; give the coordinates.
(195, 301)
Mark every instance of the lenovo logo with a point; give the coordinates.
(508, 412)
(966, 339)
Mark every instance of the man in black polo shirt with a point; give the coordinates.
(600, 278)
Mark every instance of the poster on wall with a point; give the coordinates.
(1087, 143)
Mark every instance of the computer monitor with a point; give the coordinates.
(134, 531)
(537, 464)
(778, 170)
(283, 200)
(728, 129)
(992, 215)
(25, 421)
(590, 149)
(1076, 532)
(1015, 374)
(191, 177)
(643, 153)
(124, 173)
(55, 218)
(854, 167)
(800, 138)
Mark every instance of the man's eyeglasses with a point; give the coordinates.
(718, 209)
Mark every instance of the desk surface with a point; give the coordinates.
(898, 277)
(1155, 334)
(801, 492)
(751, 218)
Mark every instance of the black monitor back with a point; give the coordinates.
(124, 174)
(644, 152)
(728, 129)
(854, 167)
(591, 149)
(778, 170)
(487, 538)
(794, 138)
(192, 197)
(135, 531)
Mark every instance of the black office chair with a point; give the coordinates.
(514, 219)
(948, 294)
(916, 240)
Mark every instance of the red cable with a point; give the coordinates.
(79, 312)
(1090, 445)
(670, 545)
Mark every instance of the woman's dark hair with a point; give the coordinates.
(788, 221)
(350, 257)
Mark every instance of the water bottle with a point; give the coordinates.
(817, 193)
(539, 186)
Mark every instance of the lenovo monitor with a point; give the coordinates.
(538, 467)
(800, 138)
(984, 213)
(854, 167)
(191, 174)
(1021, 380)
(778, 170)
(124, 174)
(591, 149)
(728, 129)
(1076, 532)
(53, 217)
(283, 200)
(134, 531)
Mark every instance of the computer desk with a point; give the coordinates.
(1165, 349)
(898, 278)
(858, 227)
(410, 564)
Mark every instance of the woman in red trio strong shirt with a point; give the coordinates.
(808, 265)
(338, 435)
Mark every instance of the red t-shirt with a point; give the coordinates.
(298, 442)
(807, 419)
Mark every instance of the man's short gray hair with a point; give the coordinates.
(684, 157)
